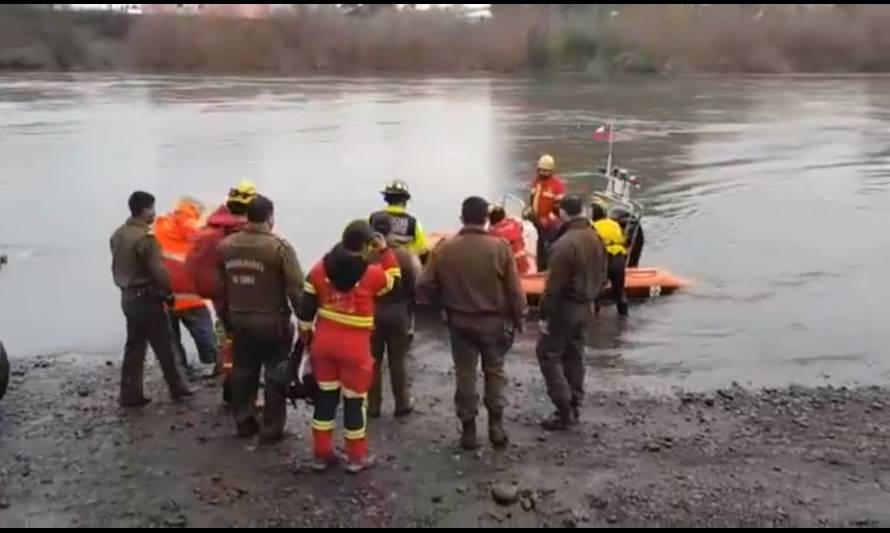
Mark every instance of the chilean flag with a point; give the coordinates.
(603, 133)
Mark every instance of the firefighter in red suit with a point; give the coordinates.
(510, 229)
(336, 321)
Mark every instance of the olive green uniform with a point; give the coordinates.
(262, 282)
(473, 276)
(139, 272)
(575, 279)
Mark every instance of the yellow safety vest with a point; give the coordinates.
(612, 235)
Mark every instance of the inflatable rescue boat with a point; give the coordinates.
(640, 282)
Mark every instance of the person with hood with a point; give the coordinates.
(391, 339)
(176, 232)
(260, 287)
(336, 321)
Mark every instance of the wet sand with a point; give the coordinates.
(732, 457)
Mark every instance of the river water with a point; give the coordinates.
(771, 194)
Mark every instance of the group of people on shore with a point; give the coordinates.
(355, 307)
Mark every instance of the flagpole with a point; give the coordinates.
(611, 133)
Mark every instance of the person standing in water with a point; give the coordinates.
(548, 190)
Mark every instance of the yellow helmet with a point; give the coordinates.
(242, 193)
(546, 162)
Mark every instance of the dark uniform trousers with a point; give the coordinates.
(391, 340)
(616, 274)
(147, 323)
(561, 354)
(472, 338)
(546, 237)
(261, 341)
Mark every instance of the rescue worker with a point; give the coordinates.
(500, 225)
(633, 235)
(340, 292)
(473, 277)
(613, 238)
(575, 279)
(233, 213)
(392, 323)
(406, 229)
(261, 282)
(145, 295)
(227, 219)
(547, 191)
(203, 260)
(176, 233)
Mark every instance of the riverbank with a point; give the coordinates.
(592, 38)
(731, 457)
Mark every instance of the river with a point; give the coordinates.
(769, 193)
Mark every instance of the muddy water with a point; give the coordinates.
(771, 194)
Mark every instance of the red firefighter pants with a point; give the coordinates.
(342, 364)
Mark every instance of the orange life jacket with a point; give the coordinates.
(176, 234)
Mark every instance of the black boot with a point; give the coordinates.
(247, 428)
(468, 440)
(562, 420)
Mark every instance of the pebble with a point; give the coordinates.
(612, 519)
(438, 498)
(505, 494)
(176, 521)
(653, 447)
(4, 504)
(527, 503)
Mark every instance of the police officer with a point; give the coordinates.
(575, 279)
(392, 323)
(406, 229)
(261, 286)
(145, 297)
(473, 276)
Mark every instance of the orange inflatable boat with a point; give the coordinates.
(640, 283)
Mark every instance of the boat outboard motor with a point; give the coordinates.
(4, 370)
(4, 359)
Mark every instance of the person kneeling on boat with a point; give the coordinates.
(510, 229)
(613, 238)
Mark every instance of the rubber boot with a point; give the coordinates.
(496, 432)
(247, 428)
(468, 440)
(562, 420)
